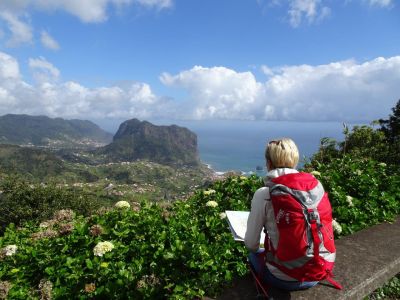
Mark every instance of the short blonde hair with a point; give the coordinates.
(282, 153)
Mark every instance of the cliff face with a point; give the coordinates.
(162, 144)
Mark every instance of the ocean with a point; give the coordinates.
(240, 145)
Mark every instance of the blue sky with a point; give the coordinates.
(112, 60)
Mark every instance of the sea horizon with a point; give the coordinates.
(239, 146)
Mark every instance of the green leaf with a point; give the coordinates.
(89, 263)
(178, 288)
(49, 270)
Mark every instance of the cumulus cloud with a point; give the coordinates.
(339, 91)
(217, 92)
(267, 70)
(9, 68)
(345, 91)
(48, 41)
(52, 97)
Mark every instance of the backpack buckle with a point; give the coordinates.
(313, 216)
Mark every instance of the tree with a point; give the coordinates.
(391, 127)
(327, 150)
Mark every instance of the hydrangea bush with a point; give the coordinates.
(179, 250)
(174, 250)
(363, 192)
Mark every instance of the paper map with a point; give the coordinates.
(237, 221)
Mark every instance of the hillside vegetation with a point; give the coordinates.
(182, 249)
(171, 145)
(175, 250)
(34, 163)
(140, 178)
(144, 160)
(55, 133)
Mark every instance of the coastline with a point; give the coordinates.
(223, 174)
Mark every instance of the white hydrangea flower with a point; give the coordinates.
(212, 204)
(64, 215)
(44, 224)
(336, 227)
(102, 247)
(122, 204)
(10, 250)
(316, 173)
(209, 192)
(222, 215)
(359, 172)
(349, 200)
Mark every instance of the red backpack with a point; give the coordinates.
(305, 248)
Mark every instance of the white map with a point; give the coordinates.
(237, 221)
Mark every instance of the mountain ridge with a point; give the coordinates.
(42, 131)
(137, 139)
(28, 146)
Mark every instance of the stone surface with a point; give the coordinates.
(365, 261)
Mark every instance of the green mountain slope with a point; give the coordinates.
(30, 162)
(38, 165)
(56, 133)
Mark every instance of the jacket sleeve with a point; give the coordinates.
(256, 220)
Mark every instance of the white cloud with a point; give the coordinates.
(86, 10)
(314, 11)
(15, 14)
(21, 32)
(309, 10)
(9, 68)
(267, 70)
(50, 96)
(338, 91)
(380, 3)
(344, 91)
(160, 4)
(141, 93)
(217, 92)
(43, 71)
(48, 41)
(14, 5)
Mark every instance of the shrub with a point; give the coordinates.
(21, 202)
(179, 250)
(391, 290)
(176, 250)
(363, 192)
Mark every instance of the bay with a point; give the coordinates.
(240, 145)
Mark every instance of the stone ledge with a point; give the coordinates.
(365, 261)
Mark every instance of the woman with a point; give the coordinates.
(282, 157)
